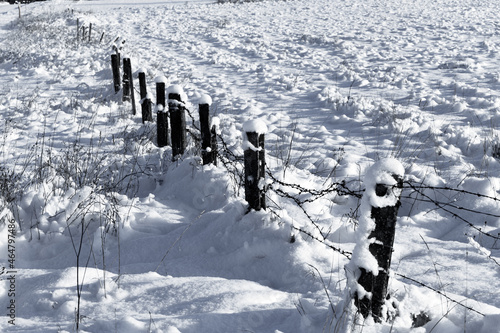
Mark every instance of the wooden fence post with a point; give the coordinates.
(213, 138)
(145, 100)
(177, 120)
(115, 66)
(208, 135)
(254, 155)
(128, 84)
(384, 182)
(126, 80)
(162, 137)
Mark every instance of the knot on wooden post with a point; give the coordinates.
(254, 155)
(162, 137)
(208, 131)
(371, 260)
(177, 110)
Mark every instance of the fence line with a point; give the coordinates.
(254, 182)
(85, 33)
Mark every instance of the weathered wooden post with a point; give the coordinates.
(115, 66)
(126, 80)
(128, 84)
(254, 155)
(162, 136)
(177, 110)
(208, 135)
(90, 32)
(145, 99)
(371, 259)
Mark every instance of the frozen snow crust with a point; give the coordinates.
(168, 247)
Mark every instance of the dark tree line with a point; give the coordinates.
(19, 1)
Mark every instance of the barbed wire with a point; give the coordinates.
(348, 255)
(338, 187)
(341, 188)
(343, 252)
(233, 163)
(445, 188)
(439, 292)
(443, 205)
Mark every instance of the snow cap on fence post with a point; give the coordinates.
(215, 124)
(368, 270)
(255, 125)
(385, 173)
(205, 99)
(160, 79)
(177, 90)
(253, 145)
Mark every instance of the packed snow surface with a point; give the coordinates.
(97, 223)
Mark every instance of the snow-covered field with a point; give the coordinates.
(98, 218)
